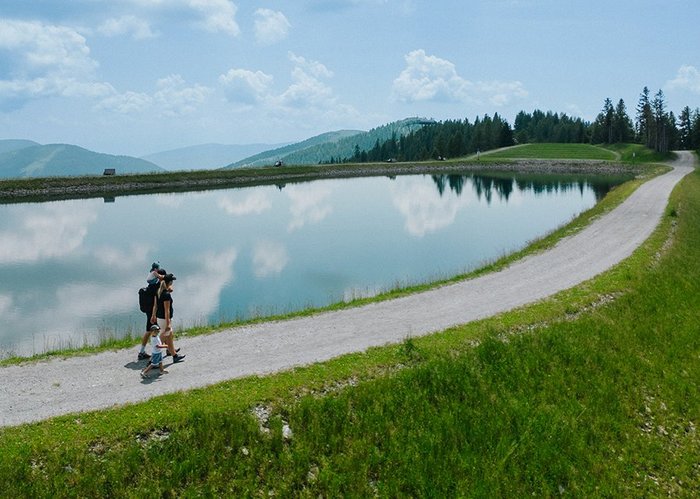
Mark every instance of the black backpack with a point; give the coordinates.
(146, 299)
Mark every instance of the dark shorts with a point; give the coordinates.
(148, 322)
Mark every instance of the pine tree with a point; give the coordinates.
(658, 106)
(695, 130)
(685, 128)
(622, 124)
(644, 119)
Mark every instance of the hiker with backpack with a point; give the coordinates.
(163, 312)
(147, 297)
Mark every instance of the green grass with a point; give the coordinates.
(592, 393)
(637, 153)
(553, 151)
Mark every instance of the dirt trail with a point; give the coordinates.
(51, 388)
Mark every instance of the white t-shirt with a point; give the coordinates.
(155, 341)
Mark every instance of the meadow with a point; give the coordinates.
(592, 393)
(554, 151)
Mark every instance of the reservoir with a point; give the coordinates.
(70, 270)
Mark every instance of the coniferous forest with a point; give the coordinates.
(653, 125)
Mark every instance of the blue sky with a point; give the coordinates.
(142, 76)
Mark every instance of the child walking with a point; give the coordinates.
(156, 354)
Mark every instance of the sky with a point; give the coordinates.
(136, 77)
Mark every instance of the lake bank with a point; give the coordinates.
(28, 190)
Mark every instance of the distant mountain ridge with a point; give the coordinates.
(60, 160)
(25, 158)
(333, 146)
(206, 156)
(13, 145)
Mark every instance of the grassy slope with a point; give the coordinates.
(553, 151)
(592, 393)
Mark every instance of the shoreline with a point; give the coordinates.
(57, 188)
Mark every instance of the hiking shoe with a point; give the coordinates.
(167, 354)
(144, 356)
(178, 358)
(143, 375)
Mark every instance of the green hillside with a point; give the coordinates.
(554, 151)
(59, 160)
(333, 146)
(308, 146)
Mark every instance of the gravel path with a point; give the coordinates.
(38, 391)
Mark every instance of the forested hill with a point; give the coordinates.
(439, 140)
(309, 150)
(653, 125)
(334, 147)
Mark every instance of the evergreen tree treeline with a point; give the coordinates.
(451, 138)
(653, 126)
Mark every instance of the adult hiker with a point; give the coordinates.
(163, 312)
(147, 299)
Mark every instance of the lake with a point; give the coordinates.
(70, 270)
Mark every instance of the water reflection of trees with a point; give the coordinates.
(486, 186)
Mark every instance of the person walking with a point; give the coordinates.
(152, 280)
(163, 312)
(156, 354)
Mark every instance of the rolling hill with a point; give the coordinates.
(307, 148)
(8, 145)
(206, 156)
(60, 160)
(332, 145)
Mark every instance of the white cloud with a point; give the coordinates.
(313, 68)
(203, 287)
(45, 233)
(126, 103)
(270, 26)
(219, 15)
(269, 258)
(308, 93)
(138, 28)
(177, 99)
(125, 259)
(307, 89)
(255, 203)
(215, 16)
(47, 60)
(5, 305)
(309, 203)
(45, 47)
(687, 78)
(430, 78)
(241, 85)
(422, 206)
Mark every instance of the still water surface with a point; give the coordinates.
(70, 270)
